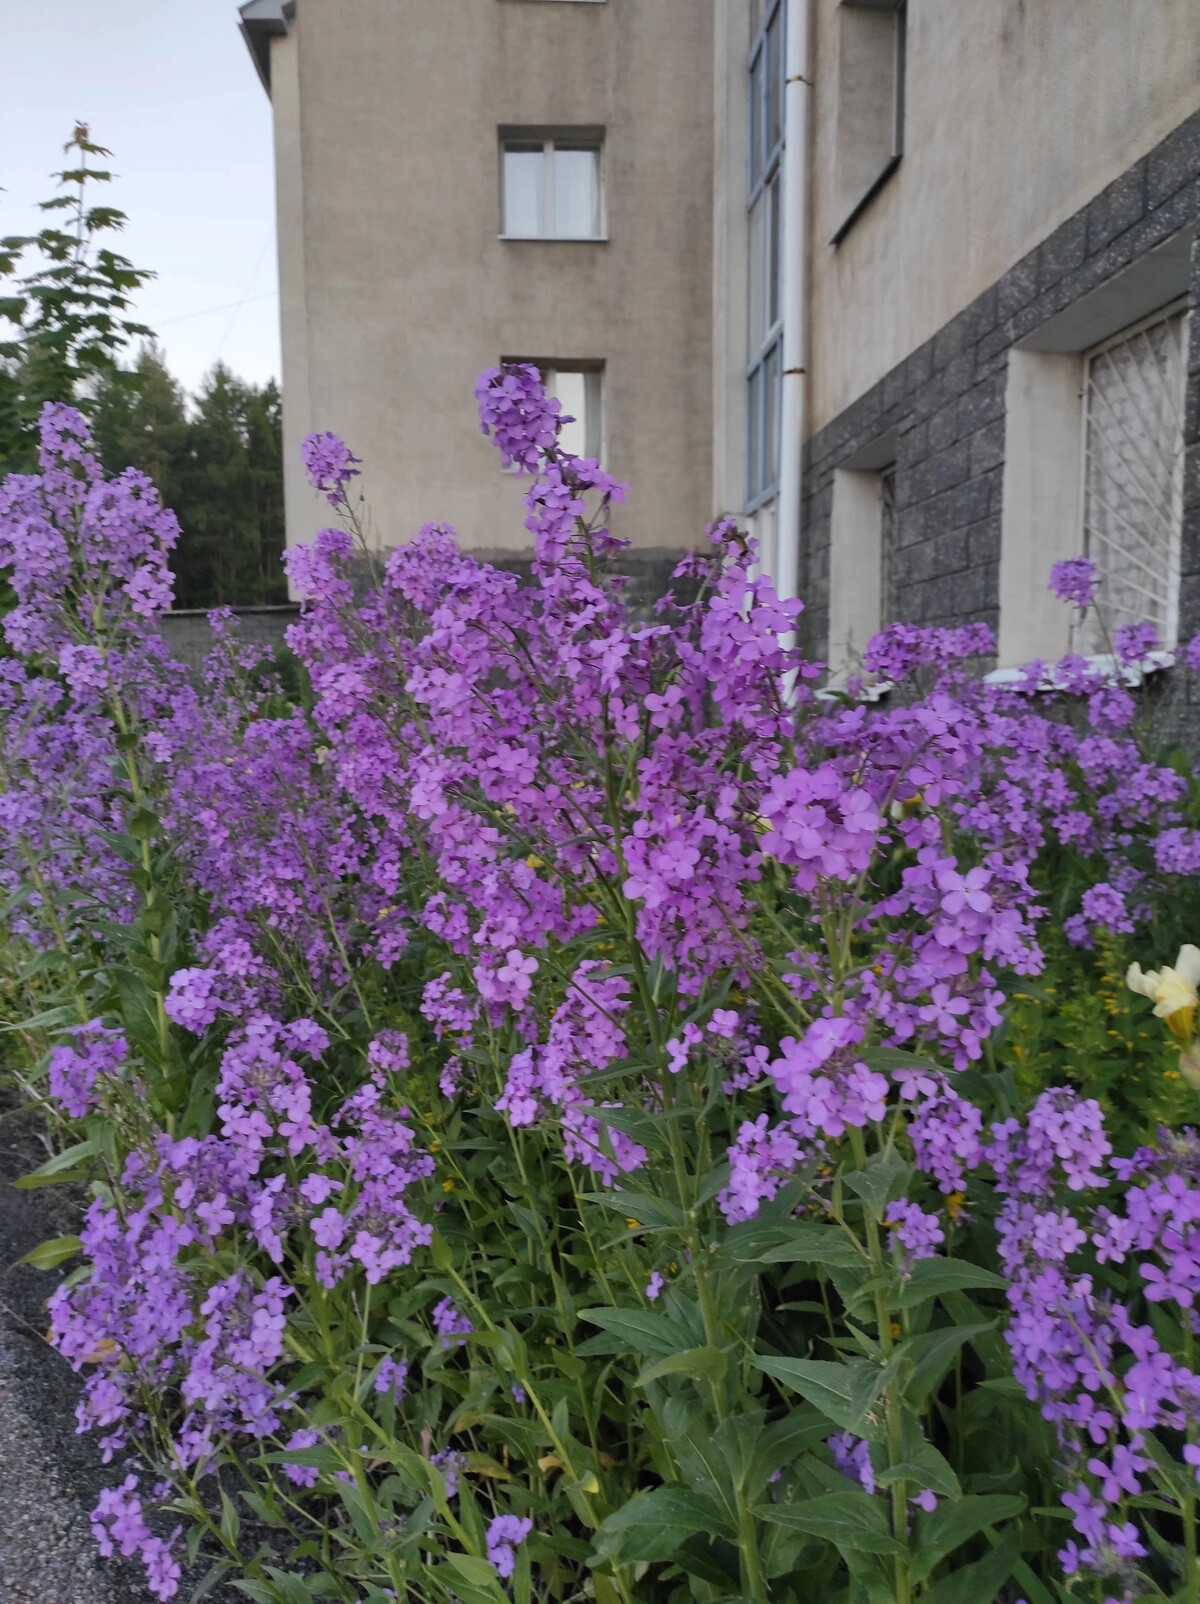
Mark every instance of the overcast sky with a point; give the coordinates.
(169, 87)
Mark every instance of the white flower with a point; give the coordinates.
(1172, 991)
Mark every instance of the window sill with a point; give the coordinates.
(553, 239)
(1101, 666)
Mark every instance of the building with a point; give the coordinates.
(468, 180)
(909, 286)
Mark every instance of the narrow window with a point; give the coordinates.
(550, 187)
(765, 331)
(872, 49)
(889, 566)
(1133, 476)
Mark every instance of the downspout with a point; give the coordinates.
(793, 294)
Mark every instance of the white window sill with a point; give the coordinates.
(554, 239)
(1101, 666)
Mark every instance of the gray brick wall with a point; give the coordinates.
(945, 403)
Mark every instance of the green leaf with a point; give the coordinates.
(707, 1364)
(653, 1211)
(931, 1277)
(476, 1571)
(952, 1524)
(651, 1526)
(854, 1521)
(796, 1242)
(64, 1014)
(645, 1333)
(458, 1586)
(47, 1254)
(931, 1355)
(292, 1588)
(230, 1524)
(842, 1392)
(888, 1059)
(926, 1468)
(784, 1441)
(53, 1169)
(978, 1583)
(885, 1178)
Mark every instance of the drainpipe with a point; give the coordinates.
(793, 293)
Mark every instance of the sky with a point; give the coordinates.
(169, 87)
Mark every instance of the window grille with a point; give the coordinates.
(1133, 476)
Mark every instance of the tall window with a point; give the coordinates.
(550, 187)
(1133, 474)
(765, 343)
(889, 563)
(578, 387)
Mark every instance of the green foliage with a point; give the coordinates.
(217, 465)
(68, 318)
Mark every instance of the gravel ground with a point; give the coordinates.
(49, 1475)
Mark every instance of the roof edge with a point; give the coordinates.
(258, 22)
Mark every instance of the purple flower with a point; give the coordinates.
(1075, 581)
(391, 1376)
(918, 1234)
(505, 1534)
(329, 464)
(450, 1324)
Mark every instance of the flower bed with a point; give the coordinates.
(569, 1111)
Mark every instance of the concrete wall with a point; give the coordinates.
(1018, 112)
(397, 291)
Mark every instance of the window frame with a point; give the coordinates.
(764, 166)
(591, 139)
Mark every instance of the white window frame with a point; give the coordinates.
(581, 139)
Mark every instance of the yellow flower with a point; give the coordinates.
(447, 1186)
(533, 861)
(954, 1204)
(1173, 991)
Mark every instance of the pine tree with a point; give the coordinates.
(220, 470)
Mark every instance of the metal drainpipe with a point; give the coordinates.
(793, 293)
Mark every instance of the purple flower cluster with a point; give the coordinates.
(329, 464)
(1075, 581)
(1103, 1379)
(505, 1534)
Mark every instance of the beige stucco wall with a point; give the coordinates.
(396, 290)
(1018, 112)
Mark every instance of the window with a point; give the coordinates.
(864, 566)
(1133, 476)
(872, 41)
(889, 557)
(765, 334)
(550, 187)
(579, 389)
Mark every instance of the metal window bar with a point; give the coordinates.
(1132, 457)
